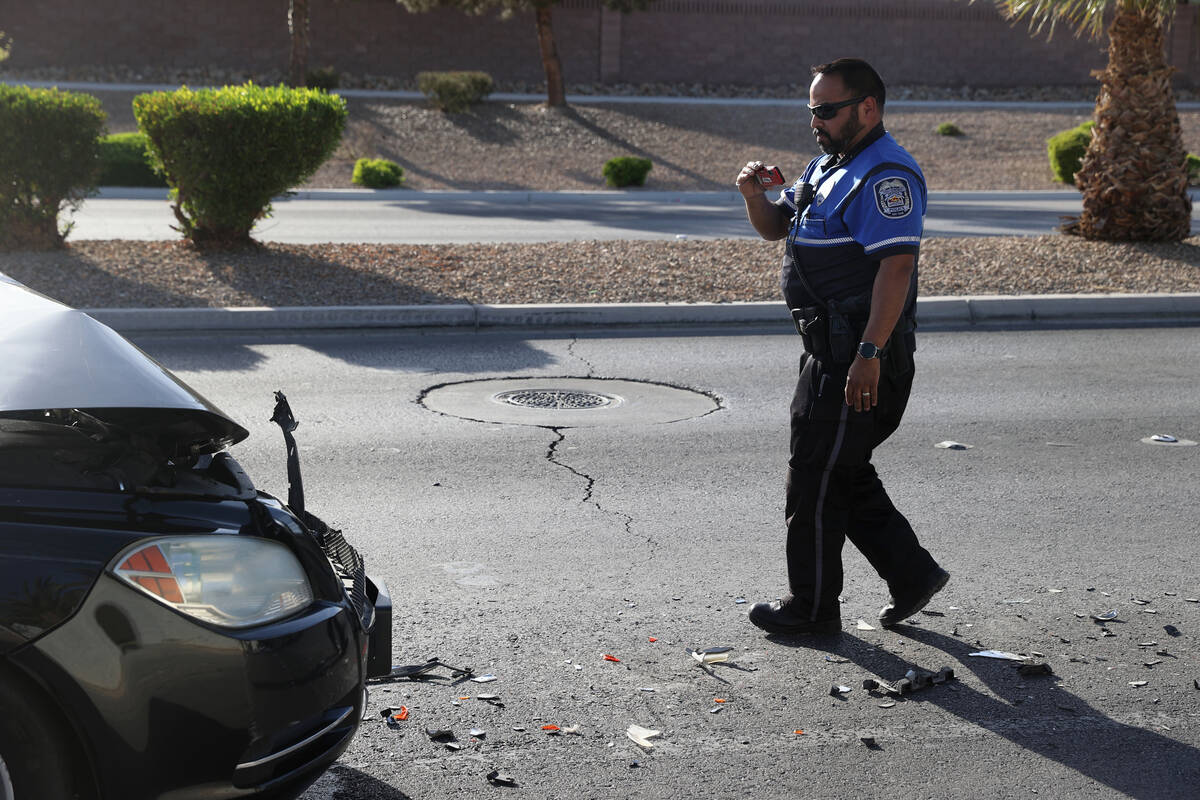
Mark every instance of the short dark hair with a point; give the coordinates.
(858, 76)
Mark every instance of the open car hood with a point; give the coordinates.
(55, 357)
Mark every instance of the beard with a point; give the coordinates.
(830, 145)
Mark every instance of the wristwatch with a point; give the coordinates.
(868, 350)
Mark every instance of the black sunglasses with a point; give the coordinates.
(830, 110)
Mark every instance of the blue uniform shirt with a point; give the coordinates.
(864, 209)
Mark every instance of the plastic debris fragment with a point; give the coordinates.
(642, 736)
(416, 672)
(485, 678)
(1192, 599)
(614, 659)
(439, 734)
(1164, 437)
(1000, 654)
(837, 690)
(1141, 602)
(950, 445)
(647, 689)
(1040, 668)
(498, 778)
(654, 638)
(1172, 630)
(478, 733)
(1196, 683)
(453, 746)
(1138, 683)
(715, 710)
(1153, 663)
(711, 655)
(887, 704)
(870, 742)
(393, 715)
(551, 730)
(720, 700)
(1107, 616)
(739, 600)
(836, 660)
(864, 626)
(798, 732)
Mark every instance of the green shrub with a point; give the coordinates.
(49, 144)
(125, 161)
(1193, 168)
(948, 129)
(377, 173)
(455, 91)
(226, 152)
(324, 78)
(1066, 150)
(626, 171)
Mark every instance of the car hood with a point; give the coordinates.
(55, 357)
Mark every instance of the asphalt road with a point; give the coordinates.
(530, 551)
(403, 217)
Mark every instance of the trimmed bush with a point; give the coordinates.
(948, 129)
(377, 173)
(226, 152)
(626, 171)
(324, 78)
(1066, 150)
(125, 161)
(455, 91)
(49, 145)
(1193, 168)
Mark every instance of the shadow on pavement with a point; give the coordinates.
(1057, 726)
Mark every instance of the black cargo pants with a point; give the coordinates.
(833, 492)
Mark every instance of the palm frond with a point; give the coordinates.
(1084, 16)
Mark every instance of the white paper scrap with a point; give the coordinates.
(863, 626)
(642, 736)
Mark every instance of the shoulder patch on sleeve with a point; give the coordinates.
(893, 197)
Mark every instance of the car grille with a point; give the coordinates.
(348, 564)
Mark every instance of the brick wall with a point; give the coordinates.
(940, 42)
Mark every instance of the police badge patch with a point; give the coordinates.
(893, 197)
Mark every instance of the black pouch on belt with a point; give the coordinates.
(843, 341)
(811, 326)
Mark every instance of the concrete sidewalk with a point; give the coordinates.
(933, 314)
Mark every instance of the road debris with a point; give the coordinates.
(1037, 668)
(739, 600)
(837, 690)
(887, 704)
(1153, 663)
(440, 734)
(420, 672)
(715, 710)
(491, 699)
(711, 655)
(837, 660)
(999, 654)
(1172, 630)
(913, 680)
(798, 732)
(647, 689)
(394, 715)
(642, 736)
(485, 678)
(551, 730)
(477, 733)
(870, 742)
(453, 746)
(1107, 616)
(1138, 684)
(653, 638)
(951, 445)
(612, 658)
(498, 778)
(863, 625)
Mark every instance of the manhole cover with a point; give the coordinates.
(567, 402)
(556, 398)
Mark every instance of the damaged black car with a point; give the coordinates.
(166, 629)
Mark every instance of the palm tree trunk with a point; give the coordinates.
(298, 28)
(555, 94)
(1134, 175)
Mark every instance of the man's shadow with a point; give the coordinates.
(1133, 761)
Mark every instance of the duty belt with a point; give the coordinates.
(832, 332)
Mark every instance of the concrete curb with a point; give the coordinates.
(933, 313)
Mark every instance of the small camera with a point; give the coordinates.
(770, 176)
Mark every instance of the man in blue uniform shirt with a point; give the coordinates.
(853, 226)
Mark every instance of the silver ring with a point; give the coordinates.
(866, 394)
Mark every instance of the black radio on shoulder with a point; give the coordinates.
(804, 196)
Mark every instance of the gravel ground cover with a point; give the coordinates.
(526, 146)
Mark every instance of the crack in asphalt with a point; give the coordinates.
(591, 373)
(552, 457)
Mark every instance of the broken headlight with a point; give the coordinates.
(229, 581)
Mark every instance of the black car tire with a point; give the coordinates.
(35, 749)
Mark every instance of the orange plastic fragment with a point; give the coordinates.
(607, 657)
(402, 714)
(464, 697)
(550, 727)
(654, 638)
(718, 700)
(799, 733)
